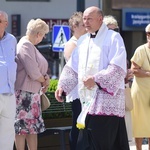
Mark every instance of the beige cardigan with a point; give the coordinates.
(30, 66)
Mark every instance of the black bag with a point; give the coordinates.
(85, 140)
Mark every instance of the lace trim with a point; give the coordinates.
(110, 79)
(68, 79)
(105, 104)
(72, 95)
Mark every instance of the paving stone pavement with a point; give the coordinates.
(132, 146)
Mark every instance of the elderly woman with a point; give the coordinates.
(111, 22)
(31, 78)
(140, 91)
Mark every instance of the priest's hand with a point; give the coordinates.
(59, 95)
(89, 82)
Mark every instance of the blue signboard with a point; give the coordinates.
(135, 19)
(61, 34)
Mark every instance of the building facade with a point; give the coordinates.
(59, 11)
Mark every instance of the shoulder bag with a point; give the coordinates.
(45, 103)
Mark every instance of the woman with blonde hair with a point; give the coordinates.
(111, 22)
(31, 78)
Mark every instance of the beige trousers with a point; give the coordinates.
(7, 119)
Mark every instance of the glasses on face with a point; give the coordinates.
(116, 29)
(1, 21)
(148, 33)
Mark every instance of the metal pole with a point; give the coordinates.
(61, 58)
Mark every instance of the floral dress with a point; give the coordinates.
(28, 113)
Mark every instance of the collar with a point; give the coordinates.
(93, 35)
(3, 36)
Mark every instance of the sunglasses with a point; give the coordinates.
(116, 29)
(148, 33)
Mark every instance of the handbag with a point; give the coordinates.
(45, 103)
(85, 140)
(128, 99)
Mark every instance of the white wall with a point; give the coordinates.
(55, 9)
(92, 3)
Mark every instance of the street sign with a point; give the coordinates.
(61, 34)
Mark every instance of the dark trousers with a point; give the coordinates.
(73, 137)
(103, 133)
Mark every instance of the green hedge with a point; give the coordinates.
(52, 85)
(48, 114)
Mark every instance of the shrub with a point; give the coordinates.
(53, 85)
(56, 110)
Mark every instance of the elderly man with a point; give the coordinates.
(98, 65)
(7, 79)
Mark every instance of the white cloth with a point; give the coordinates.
(73, 95)
(128, 122)
(110, 75)
(7, 119)
(89, 65)
(90, 57)
(113, 50)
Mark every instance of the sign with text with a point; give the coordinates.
(135, 19)
(52, 22)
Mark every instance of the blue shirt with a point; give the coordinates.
(8, 65)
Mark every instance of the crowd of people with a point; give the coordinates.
(100, 57)
(93, 81)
